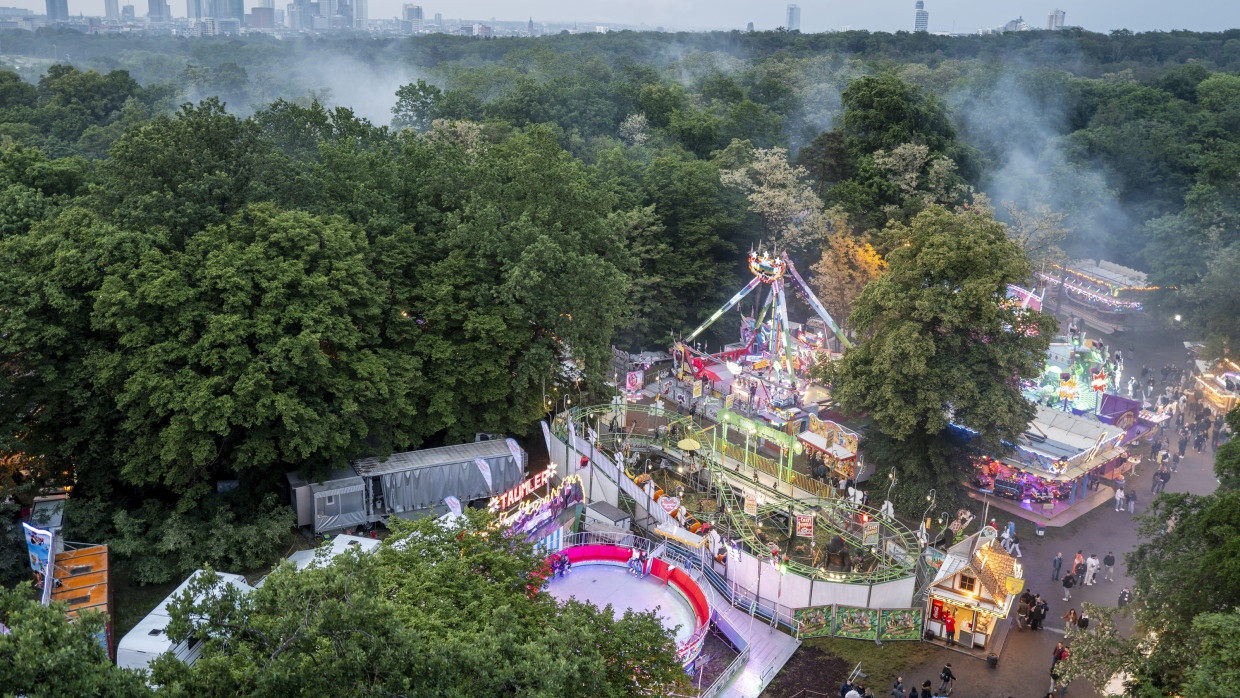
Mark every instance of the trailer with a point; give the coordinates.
(407, 485)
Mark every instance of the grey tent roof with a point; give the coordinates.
(431, 457)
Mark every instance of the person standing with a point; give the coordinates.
(1125, 597)
(1131, 498)
(1091, 569)
(1119, 499)
(1057, 654)
(897, 691)
(949, 626)
(1069, 621)
(925, 689)
(1175, 462)
(1057, 564)
(1082, 623)
(1039, 613)
(1108, 567)
(1069, 581)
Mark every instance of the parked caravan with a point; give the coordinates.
(407, 485)
(149, 638)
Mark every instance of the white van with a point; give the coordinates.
(149, 638)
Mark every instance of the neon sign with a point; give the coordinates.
(519, 492)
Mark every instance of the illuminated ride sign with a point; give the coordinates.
(516, 494)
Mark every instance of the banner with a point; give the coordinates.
(805, 525)
(532, 517)
(635, 381)
(485, 468)
(870, 537)
(815, 622)
(856, 623)
(454, 505)
(39, 545)
(729, 401)
(751, 504)
(900, 624)
(697, 389)
(517, 454)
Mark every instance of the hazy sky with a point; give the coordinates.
(816, 15)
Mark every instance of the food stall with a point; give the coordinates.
(1220, 387)
(1053, 464)
(976, 583)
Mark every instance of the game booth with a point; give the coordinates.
(836, 447)
(1054, 465)
(976, 584)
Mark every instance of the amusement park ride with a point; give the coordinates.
(767, 340)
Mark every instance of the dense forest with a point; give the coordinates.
(226, 259)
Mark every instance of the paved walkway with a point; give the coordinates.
(769, 649)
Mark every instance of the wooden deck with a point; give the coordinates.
(769, 649)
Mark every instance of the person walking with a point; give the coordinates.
(1069, 581)
(946, 677)
(1119, 499)
(1108, 567)
(1014, 546)
(1022, 611)
(1175, 462)
(1057, 564)
(1091, 569)
(1069, 621)
(925, 689)
(1131, 498)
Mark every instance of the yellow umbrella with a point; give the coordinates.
(688, 445)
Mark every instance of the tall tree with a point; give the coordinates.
(42, 653)
(938, 345)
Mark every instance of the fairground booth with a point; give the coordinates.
(975, 584)
(1106, 295)
(836, 446)
(1220, 386)
(1055, 461)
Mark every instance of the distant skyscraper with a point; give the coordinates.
(794, 19)
(530, 28)
(57, 10)
(193, 9)
(328, 8)
(439, 19)
(921, 22)
(127, 12)
(413, 15)
(157, 11)
(361, 14)
(1054, 20)
(749, 27)
(111, 9)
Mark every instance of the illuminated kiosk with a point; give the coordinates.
(600, 575)
(1104, 294)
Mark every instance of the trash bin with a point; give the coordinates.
(992, 660)
(1040, 528)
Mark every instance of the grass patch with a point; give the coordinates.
(880, 664)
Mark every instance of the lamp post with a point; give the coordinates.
(925, 522)
(891, 475)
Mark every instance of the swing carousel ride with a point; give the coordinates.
(768, 366)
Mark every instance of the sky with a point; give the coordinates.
(816, 15)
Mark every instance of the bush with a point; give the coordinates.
(160, 544)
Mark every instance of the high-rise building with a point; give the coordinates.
(1054, 20)
(793, 24)
(413, 15)
(329, 8)
(57, 10)
(111, 9)
(127, 12)
(263, 18)
(193, 9)
(749, 27)
(439, 20)
(361, 14)
(158, 11)
(921, 20)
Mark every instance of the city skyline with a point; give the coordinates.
(882, 15)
